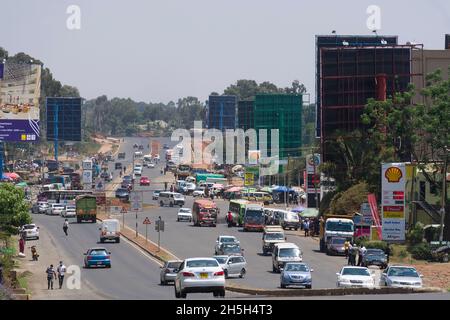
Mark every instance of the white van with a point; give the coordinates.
(170, 199)
(110, 230)
(289, 220)
(283, 253)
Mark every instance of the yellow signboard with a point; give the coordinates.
(249, 179)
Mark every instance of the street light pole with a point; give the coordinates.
(443, 198)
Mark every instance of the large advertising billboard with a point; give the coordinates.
(63, 118)
(447, 41)
(20, 89)
(393, 183)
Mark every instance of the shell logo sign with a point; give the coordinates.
(393, 175)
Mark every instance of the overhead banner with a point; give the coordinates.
(20, 90)
(393, 183)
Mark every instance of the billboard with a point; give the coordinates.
(64, 115)
(393, 183)
(20, 90)
(447, 41)
(253, 157)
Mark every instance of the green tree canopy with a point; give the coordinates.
(14, 211)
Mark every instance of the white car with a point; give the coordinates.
(199, 192)
(55, 209)
(184, 214)
(355, 277)
(200, 275)
(224, 239)
(138, 154)
(401, 277)
(69, 212)
(137, 172)
(31, 231)
(233, 266)
(150, 165)
(42, 206)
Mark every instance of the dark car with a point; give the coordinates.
(165, 146)
(228, 249)
(127, 182)
(118, 166)
(375, 257)
(106, 176)
(123, 194)
(335, 246)
(121, 155)
(441, 254)
(141, 147)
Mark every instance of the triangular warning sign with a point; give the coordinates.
(147, 221)
(124, 210)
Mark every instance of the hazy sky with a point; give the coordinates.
(160, 50)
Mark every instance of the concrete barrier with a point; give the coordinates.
(326, 292)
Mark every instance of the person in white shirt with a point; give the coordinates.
(66, 226)
(61, 272)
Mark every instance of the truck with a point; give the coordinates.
(86, 208)
(271, 236)
(332, 226)
(204, 212)
(254, 218)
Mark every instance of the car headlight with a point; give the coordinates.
(417, 283)
(395, 282)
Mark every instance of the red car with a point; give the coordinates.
(145, 181)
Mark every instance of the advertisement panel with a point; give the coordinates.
(253, 157)
(20, 89)
(447, 41)
(63, 119)
(251, 176)
(393, 182)
(312, 162)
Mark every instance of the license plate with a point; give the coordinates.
(203, 275)
(99, 262)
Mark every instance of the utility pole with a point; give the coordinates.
(443, 198)
(315, 182)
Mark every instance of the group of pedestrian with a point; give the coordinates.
(354, 253)
(52, 274)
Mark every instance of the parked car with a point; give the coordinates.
(355, 277)
(184, 214)
(233, 266)
(296, 274)
(441, 254)
(123, 194)
(144, 181)
(169, 271)
(224, 239)
(335, 246)
(31, 231)
(155, 194)
(69, 212)
(97, 257)
(230, 249)
(200, 275)
(375, 257)
(401, 277)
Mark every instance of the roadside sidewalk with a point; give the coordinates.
(50, 253)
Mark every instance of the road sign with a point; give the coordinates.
(124, 210)
(99, 184)
(136, 200)
(249, 179)
(147, 221)
(159, 225)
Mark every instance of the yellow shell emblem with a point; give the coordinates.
(393, 174)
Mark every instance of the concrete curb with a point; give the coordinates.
(327, 292)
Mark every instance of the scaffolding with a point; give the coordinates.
(348, 78)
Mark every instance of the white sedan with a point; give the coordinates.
(184, 214)
(355, 277)
(31, 231)
(199, 192)
(224, 239)
(200, 275)
(69, 212)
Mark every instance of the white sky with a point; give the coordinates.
(161, 50)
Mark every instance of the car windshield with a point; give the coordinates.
(232, 249)
(174, 265)
(71, 208)
(202, 263)
(221, 260)
(403, 272)
(58, 207)
(157, 192)
(227, 240)
(177, 196)
(338, 241)
(289, 252)
(100, 252)
(28, 226)
(292, 216)
(339, 226)
(374, 252)
(297, 267)
(274, 236)
(355, 272)
(185, 210)
(121, 190)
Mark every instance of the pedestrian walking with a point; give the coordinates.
(66, 227)
(388, 253)
(21, 244)
(346, 246)
(51, 275)
(306, 227)
(61, 272)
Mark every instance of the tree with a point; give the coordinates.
(296, 88)
(69, 91)
(14, 211)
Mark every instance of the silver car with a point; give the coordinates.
(401, 277)
(233, 266)
(169, 271)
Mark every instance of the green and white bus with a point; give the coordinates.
(237, 209)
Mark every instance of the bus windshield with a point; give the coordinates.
(339, 226)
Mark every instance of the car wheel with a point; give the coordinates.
(283, 286)
(309, 287)
(118, 240)
(183, 294)
(177, 294)
(109, 266)
(225, 273)
(171, 204)
(274, 270)
(102, 240)
(242, 274)
(37, 238)
(178, 219)
(215, 293)
(163, 283)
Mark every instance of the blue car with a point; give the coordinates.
(296, 274)
(97, 257)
